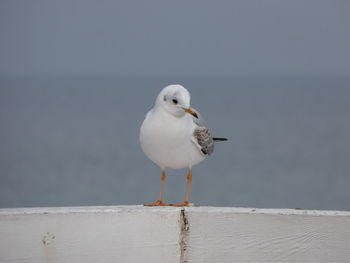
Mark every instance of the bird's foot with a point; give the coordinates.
(184, 203)
(157, 203)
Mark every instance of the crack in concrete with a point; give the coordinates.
(184, 229)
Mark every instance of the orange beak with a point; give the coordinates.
(192, 112)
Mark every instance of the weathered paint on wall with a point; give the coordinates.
(165, 234)
(105, 234)
(267, 235)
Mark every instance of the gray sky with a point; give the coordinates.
(167, 38)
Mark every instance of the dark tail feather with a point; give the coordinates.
(219, 139)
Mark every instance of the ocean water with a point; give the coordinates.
(74, 141)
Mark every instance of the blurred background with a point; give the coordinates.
(77, 78)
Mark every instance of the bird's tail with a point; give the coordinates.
(216, 139)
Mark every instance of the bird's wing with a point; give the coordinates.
(204, 140)
(202, 137)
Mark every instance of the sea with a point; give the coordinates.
(74, 141)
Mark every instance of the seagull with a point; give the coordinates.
(174, 135)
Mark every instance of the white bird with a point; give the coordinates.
(173, 135)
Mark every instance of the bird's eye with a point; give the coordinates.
(175, 101)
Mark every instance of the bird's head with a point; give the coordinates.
(175, 99)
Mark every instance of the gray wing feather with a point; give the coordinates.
(202, 136)
(204, 140)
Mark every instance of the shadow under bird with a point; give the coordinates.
(174, 135)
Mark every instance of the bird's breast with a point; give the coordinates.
(167, 141)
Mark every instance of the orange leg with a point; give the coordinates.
(187, 196)
(160, 202)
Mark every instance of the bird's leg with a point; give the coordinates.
(163, 178)
(187, 196)
(160, 202)
(189, 181)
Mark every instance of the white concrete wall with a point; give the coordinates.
(267, 235)
(196, 234)
(90, 234)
